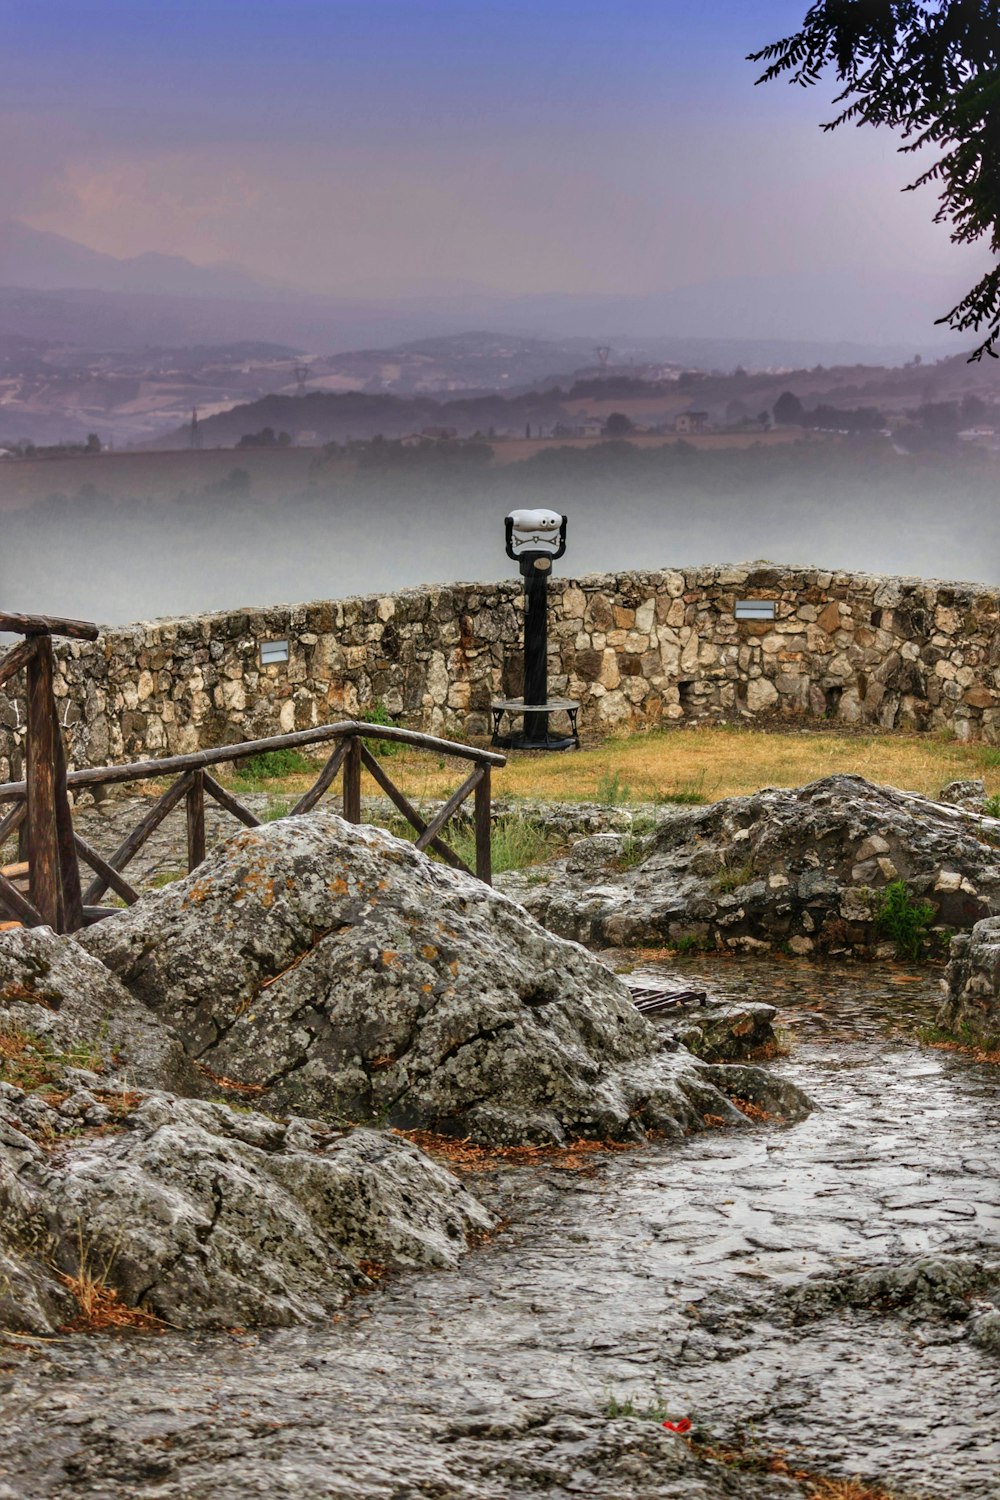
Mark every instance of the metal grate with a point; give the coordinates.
(649, 995)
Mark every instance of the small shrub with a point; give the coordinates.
(273, 765)
(379, 714)
(992, 806)
(903, 917)
(611, 790)
(690, 944)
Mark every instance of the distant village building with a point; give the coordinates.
(592, 427)
(691, 421)
(439, 434)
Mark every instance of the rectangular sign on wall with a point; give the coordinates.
(755, 609)
(272, 652)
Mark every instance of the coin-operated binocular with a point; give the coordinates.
(535, 539)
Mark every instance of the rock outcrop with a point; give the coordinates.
(308, 976)
(797, 868)
(345, 976)
(972, 981)
(209, 1217)
(61, 1009)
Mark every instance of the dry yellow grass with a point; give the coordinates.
(703, 763)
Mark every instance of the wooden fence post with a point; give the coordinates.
(43, 845)
(352, 780)
(196, 820)
(484, 847)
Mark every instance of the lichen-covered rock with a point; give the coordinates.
(61, 1008)
(970, 794)
(795, 868)
(972, 983)
(350, 978)
(210, 1217)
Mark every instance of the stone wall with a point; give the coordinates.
(636, 649)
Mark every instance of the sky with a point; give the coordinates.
(380, 148)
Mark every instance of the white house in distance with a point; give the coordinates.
(691, 421)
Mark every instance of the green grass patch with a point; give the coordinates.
(730, 879)
(684, 793)
(273, 765)
(649, 1409)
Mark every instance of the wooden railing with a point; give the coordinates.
(42, 819)
(47, 860)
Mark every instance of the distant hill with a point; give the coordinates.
(38, 260)
(323, 416)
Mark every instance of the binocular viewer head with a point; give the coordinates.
(535, 538)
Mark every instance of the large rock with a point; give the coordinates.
(348, 977)
(210, 1217)
(972, 981)
(799, 868)
(61, 1008)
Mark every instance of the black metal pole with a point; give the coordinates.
(536, 652)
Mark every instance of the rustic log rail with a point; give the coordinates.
(350, 755)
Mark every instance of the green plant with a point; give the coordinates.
(379, 714)
(166, 877)
(691, 943)
(903, 917)
(275, 808)
(611, 790)
(652, 1409)
(273, 765)
(730, 879)
(992, 806)
(989, 757)
(634, 849)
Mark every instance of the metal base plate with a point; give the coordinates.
(549, 742)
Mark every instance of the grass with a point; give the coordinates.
(100, 1306)
(653, 1409)
(731, 879)
(983, 1049)
(696, 765)
(515, 841)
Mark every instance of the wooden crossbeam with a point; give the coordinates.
(129, 847)
(409, 812)
(76, 630)
(16, 659)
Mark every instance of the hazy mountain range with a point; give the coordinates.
(56, 289)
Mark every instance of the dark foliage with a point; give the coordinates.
(930, 69)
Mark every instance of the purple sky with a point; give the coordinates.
(385, 147)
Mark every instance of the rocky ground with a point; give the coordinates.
(797, 869)
(186, 1083)
(601, 1222)
(827, 1291)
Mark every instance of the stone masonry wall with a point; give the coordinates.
(636, 649)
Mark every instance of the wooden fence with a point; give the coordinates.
(44, 887)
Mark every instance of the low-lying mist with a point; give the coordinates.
(427, 519)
